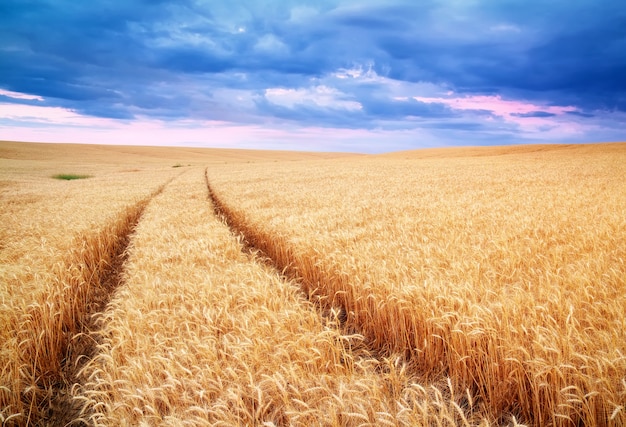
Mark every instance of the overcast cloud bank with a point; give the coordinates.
(330, 75)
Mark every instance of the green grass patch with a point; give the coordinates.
(70, 176)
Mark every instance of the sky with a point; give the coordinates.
(327, 75)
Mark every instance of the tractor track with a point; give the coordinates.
(88, 278)
(279, 256)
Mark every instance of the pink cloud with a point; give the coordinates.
(495, 104)
(55, 124)
(558, 124)
(48, 115)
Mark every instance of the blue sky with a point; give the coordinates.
(365, 76)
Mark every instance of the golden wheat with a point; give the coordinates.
(203, 334)
(504, 273)
(439, 287)
(59, 247)
(57, 240)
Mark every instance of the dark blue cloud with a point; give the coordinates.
(534, 114)
(381, 107)
(573, 50)
(580, 114)
(464, 126)
(174, 60)
(192, 61)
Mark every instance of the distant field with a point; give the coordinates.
(169, 286)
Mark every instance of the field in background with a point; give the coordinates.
(445, 286)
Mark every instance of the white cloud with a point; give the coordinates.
(18, 95)
(365, 73)
(361, 78)
(319, 96)
(271, 44)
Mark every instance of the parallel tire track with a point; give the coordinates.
(498, 387)
(57, 335)
(279, 254)
(336, 299)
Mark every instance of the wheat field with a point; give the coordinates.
(502, 271)
(181, 286)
